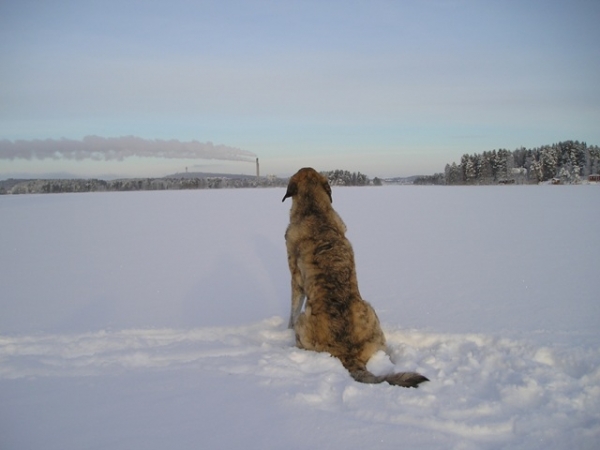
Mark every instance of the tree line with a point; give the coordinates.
(134, 184)
(567, 162)
(346, 178)
(54, 186)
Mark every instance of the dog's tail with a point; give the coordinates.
(359, 372)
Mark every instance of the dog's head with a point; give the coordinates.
(306, 180)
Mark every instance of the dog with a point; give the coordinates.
(328, 313)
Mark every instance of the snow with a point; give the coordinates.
(158, 320)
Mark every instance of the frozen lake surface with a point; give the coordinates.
(157, 320)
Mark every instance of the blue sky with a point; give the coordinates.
(383, 87)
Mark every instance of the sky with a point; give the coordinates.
(387, 88)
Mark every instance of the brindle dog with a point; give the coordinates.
(335, 318)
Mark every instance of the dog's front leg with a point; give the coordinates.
(298, 298)
(297, 303)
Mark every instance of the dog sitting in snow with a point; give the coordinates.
(335, 318)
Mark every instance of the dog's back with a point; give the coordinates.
(335, 319)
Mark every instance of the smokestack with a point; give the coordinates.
(257, 169)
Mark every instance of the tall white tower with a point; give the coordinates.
(257, 169)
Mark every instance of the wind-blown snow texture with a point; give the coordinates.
(157, 320)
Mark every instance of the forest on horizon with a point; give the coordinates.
(567, 162)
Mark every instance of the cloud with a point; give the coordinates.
(117, 149)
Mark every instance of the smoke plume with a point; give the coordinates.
(117, 149)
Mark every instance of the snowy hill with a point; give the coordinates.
(157, 320)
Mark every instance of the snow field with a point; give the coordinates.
(484, 390)
(149, 320)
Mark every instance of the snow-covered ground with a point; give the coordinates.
(156, 320)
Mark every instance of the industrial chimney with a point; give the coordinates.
(257, 169)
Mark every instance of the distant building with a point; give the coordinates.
(594, 178)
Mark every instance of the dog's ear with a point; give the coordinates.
(327, 188)
(292, 190)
